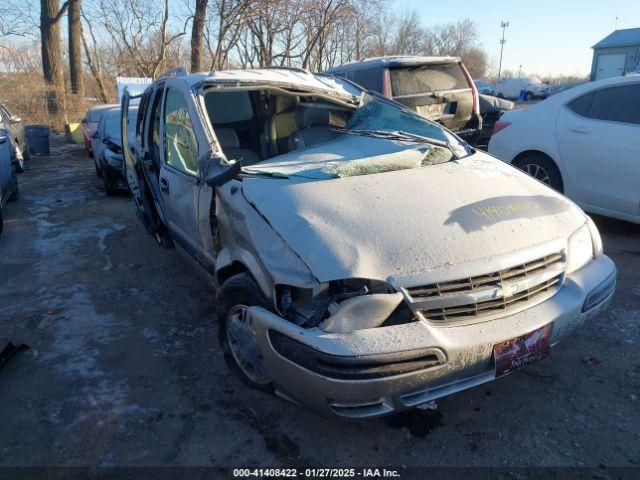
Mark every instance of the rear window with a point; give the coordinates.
(95, 114)
(618, 104)
(427, 78)
(582, 105)
(112, 124)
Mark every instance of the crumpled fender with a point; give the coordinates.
(250, 240)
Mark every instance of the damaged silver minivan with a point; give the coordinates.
(367, 260)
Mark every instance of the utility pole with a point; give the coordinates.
(504, 25)
(520, 71)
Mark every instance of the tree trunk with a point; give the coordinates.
(50, 15)
(197, 30)
(94, 65)
(75, 52)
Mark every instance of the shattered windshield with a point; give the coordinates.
(380, 115)
(318, 139)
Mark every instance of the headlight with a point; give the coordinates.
(112, 158)
(595, 237)
(339, 306)
(584, 245)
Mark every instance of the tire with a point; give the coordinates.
(238, 293)
(25, 152)
(15, 195)
(500, 95)
(164, 240)
(108, 187)
(19, 160)
(529, 96)
(541, 168)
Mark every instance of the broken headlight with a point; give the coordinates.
(339, 306)
(584, 245)
(112, 158)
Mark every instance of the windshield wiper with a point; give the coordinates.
(398, 135)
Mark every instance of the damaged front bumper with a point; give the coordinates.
(377, 371)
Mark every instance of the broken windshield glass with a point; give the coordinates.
(379, 114)
(379, 137)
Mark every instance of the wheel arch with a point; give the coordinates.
(228, 271)
(536, 152)
(242, 262)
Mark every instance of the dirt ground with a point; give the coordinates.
(124, 367)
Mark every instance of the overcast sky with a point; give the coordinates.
(545, 36)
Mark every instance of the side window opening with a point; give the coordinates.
(368, 78)
(153, 132)
(582, 105)
(245, 120)
(618, 104)
(144, 101)
(181, 146)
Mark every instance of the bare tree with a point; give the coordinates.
(50, 15)
(197, 31)
(458, 39)
(75, 48)
(225, 24)
(139, 33)
(93, 60)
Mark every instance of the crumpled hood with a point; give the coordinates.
(413, 225)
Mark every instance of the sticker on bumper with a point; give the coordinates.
(513, 354)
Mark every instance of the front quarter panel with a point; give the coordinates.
(247, 238)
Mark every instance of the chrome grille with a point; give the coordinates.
(482, 282)
(488, 294)
(490, 307)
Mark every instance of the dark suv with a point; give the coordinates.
(438, 88)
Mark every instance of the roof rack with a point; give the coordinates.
(174, 72)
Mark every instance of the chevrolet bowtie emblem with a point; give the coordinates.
(506, 290)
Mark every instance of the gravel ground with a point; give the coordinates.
(124, 367)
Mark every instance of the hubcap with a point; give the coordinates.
(536, 171)
(243, 344)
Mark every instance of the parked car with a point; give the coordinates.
(491, 109)
(438, 88)
(90, 123)
(367, 260)
(583, 142)
(511, 88)
(107, 149)
(9, 189)
(483, 87)
(12, 124)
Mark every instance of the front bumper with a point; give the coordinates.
(466, 351)
(113, 169)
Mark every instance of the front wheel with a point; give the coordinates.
(236, 332)
(529, 96)
(109, 189)
(15, 195)
(19, 159)
(541, 168)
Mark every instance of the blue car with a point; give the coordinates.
(483, 87)
(8, 181)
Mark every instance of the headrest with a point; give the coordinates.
(227, 137)
(307, 117)
(283, 103)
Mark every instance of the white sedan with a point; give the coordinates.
(584, 142)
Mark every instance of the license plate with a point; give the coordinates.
(513, 354)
